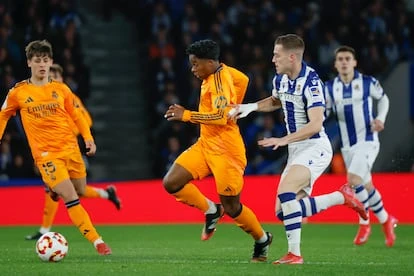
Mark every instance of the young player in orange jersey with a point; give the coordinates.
(45, 107)
(219, 151)
(51, 203)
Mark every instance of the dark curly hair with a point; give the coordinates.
(204, 49)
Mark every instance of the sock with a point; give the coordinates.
(362, 195)
(279, 214)
(292, 218)
(263, 238)
(212, 207)
(248, 222)
(375, 202)
(49, 212)
(91, 192)
(313, 205)
(192, 196)
(44, 230)
(97, 241)
(81, 219)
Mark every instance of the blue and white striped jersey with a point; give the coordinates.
(352, 104)
(297, 96)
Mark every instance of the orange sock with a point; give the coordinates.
(91, 192)
(247, 221)
(192, 196)
(81, 219)
(49, 211)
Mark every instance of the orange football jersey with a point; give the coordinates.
(45, 111)
(218, 134)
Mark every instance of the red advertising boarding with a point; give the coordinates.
(146, 202)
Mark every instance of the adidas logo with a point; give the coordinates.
(228, 189)
(29, 100)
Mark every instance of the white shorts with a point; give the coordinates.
(359, 159)
(314, 154)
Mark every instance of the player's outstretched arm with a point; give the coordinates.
(242, 110)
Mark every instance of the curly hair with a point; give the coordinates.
(204, 49)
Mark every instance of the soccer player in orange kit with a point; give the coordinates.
(46, 107)
(219, 151)
(51, 203)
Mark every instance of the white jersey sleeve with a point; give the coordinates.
(314, 93)
(376, 90)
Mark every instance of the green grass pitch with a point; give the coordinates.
(177, 250)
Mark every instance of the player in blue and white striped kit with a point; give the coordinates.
(299, 91)
(350, 96)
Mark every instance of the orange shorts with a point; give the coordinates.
(227, 169)
(55, 169)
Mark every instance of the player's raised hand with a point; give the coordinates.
(241, 110)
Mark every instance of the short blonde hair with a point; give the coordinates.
(291, 42)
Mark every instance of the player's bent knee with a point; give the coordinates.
(354, 180)
(171, 185)
(176, 178)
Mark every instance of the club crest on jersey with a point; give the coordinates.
(298, 87)
(356, 87)
(220, 102)
(54, 95)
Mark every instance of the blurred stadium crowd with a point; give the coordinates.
(379, 30)
(22, 21)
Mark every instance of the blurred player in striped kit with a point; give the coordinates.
(350, 96)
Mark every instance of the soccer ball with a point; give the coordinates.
(52, 247)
